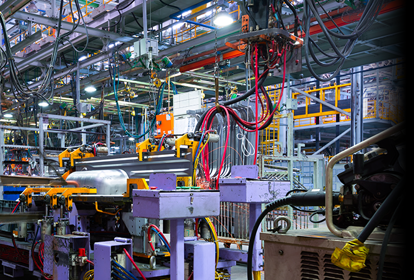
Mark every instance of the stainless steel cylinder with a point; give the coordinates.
(213, 138)
(102, 150)
(106, 182)
(22, 230)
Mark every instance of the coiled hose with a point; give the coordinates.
(310, 198)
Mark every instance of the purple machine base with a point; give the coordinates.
(177, 206)
(239, 189)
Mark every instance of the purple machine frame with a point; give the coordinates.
(239, 189)
(102, 256)
(176, 206)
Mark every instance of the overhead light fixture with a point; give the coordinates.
(223, 19)
(8, 115)
(43, 104)
(90, 89)
(131, 139)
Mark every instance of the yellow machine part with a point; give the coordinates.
(55, 193)
(76, 154)
(146, 146)
(352, 257)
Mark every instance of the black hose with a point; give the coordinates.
(388, 204)
(385, 241)
(235, 100)
(270, 207)
(309, 198)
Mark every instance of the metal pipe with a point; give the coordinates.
(333, 140)
(175, 15)
(144, 18)
(329, 174)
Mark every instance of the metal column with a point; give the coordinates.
(254, 213)
(356, 106)
(41, 146)
(337, 116)
(177, 249)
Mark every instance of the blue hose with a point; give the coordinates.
(157, 111)
(162, 239)
(124, 270)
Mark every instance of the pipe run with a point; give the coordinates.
(176, 15)
(329, 174)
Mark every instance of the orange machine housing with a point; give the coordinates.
(165, 124)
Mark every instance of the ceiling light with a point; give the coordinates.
(131, 139)
(90, 89)
(223, 19)
(43, 104)
(8, 115)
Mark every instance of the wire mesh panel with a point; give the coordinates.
(233, 222)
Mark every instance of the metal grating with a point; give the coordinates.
(309, 265)
(331, 271)
(391, 271)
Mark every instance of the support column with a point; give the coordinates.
(177, 249)
(254, 213)
(144, 19)
(338, 116)
(41, 147)
(290, 138)
(356, 106)
(317, 132)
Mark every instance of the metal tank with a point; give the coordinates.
(106, 182)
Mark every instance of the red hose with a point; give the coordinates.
(159, 231)
(136, 267)
(257, 97)
(225, 146)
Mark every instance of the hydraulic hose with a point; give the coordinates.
(310, 198)
(386, 207)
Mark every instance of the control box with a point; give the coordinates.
(165, 124)
(145, 46)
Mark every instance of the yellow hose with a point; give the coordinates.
(210, 224)
(257, 275)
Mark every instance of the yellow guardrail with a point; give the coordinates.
(385, 105)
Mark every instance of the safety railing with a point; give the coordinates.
(320, 115)
(382, 104)
(195, 31)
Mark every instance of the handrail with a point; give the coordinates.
(329, 174)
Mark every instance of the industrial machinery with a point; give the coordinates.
(366, 230)
(96, 216)
(148, 214)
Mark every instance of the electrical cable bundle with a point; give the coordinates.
(158, 105)
(271, 55)
(42, 91)
(368, 17)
